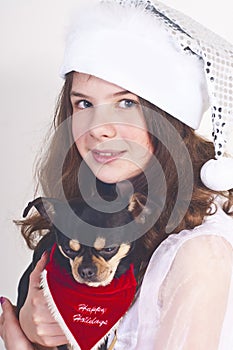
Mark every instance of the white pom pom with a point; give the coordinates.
(218, 174)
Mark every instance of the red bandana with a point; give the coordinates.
(86, 314)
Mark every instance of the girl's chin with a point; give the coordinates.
(114, 176)
(109, 176)
(109, 179)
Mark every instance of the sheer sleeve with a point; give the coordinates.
(193, 297)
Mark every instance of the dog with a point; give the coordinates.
(107, 255)
(94, 243)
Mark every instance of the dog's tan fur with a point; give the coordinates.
(74, 245)
(99, 243)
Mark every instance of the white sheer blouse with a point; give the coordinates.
(186, 298)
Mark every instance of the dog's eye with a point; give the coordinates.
(109, 249)
(68, 251)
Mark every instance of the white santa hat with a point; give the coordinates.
(164, 57)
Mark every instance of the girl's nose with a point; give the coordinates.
(103, 131)
(102, 126)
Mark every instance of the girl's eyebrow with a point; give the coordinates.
(122, 92)
(119, 93)
(78, 94)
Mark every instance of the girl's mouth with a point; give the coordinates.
(106, 156)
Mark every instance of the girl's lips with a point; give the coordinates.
(106, 156)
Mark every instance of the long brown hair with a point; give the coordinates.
(51, 181)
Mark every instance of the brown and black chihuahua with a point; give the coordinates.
(96, 242)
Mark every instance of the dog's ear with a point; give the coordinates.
(139, 207)
(45, 207)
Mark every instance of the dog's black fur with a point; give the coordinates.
(76, 256)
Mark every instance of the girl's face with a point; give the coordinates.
(109, 129)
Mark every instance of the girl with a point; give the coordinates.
(138, 78)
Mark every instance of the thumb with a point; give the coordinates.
(35, 276)
(8, 309)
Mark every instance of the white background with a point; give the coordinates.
(31, 40)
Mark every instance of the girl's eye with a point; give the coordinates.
(127, 103)
(83, 104)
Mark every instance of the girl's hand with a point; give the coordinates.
(35, 318)
(10, 329)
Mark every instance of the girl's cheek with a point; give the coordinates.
(78, 128)
(81, 122)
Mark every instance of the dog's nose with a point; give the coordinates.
(87, 272)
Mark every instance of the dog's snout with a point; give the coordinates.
(87, 272)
